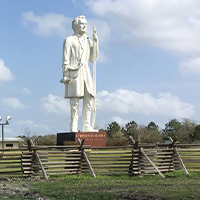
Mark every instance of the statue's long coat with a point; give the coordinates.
(77, 52)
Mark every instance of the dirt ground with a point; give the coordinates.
(18, 188)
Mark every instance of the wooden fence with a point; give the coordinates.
(16, 162)
(136, 159)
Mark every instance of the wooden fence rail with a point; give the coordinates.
(136, 159)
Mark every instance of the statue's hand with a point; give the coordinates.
(95, 37)
(65, 80)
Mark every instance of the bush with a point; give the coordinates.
(118, 140)
(45, 140)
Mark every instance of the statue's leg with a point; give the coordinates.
(86, 112)
(74, 104)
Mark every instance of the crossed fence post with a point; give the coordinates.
(83, 153)
(178, 155)
(141, 150)
(36, 155)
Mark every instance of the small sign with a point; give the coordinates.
(94, 139)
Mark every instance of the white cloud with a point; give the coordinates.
(47, 24)
(119, 120)
(26, 91)
(26, 122)
(169, 25)
(191, 65)
(12, 103)
(126, 102)
(58, 24)
(5, 73)
(55, 104)
(30, 124)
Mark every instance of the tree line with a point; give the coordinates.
(186, 131)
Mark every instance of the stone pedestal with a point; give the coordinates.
(94, 139)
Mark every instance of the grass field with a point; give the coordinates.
(176, 186)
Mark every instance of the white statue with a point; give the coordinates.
(78, 50)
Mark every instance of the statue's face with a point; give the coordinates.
(82, 26)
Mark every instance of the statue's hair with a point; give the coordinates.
(76, 21)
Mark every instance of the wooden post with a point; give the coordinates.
(172, 141)
(40, 163)
(86, 158)
(145, 155)
(181, 161)
(24, 164)
(178, 156)
(131, 164)
(30, 145)
(82, 157)
(135, 147)
(81, 143)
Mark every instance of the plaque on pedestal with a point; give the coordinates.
(94, 139)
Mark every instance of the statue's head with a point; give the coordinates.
(79, 25)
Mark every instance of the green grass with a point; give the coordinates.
(176, 186)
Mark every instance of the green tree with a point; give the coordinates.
(115, 137)
(112, 129)
(130, 129)
(195, 136)
(132, 125)
(172, 129)
(187, 131)
(152, 126)
(149, 135)
(46, 140)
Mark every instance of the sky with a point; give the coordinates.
(148, 68)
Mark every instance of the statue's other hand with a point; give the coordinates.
(95, 37)
(65, 80)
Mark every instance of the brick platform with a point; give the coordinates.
(94, 139)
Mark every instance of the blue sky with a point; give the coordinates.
(148, 67)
